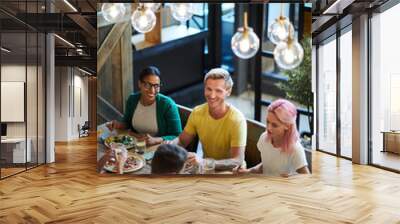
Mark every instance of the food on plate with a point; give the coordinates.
(127, 140)
(133, 163)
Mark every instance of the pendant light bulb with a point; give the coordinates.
(182, 11)
(143, 19)
(113, 12)
(245, 43)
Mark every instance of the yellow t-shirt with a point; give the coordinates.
(217, 136)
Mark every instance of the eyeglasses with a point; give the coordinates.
(148, 85)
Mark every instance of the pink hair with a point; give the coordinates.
(286, 112)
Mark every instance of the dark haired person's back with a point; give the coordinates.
(168, 159)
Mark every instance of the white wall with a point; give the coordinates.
(71, 94)
(61, 104)
(11, 73)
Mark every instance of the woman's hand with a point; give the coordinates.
(240, 170)
(150, 140)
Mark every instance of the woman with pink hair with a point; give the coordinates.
(280, 148)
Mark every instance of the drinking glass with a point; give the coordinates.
(208, 166)
(141, 147)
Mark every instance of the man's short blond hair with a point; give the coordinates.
(220, 73)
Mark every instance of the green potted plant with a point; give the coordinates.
(298, 86)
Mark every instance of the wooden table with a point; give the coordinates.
(147, 167)
(146, 170)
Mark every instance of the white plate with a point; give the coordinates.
(110, 167)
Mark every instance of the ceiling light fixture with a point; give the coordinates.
(245, 43)
(65, 41)
(70, 5)
(113, 12)
(79, 51)
(84, 71)
(182, 11)
(280, 29)
(143, 19)
(288, 55)
(5, 49)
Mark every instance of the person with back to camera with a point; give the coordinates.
(168, 159)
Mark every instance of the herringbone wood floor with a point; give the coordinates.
(70, 191)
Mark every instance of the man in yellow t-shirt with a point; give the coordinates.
(221, 128)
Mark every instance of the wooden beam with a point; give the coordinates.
(84, 24)
(109, 43)
(62, 6)
(126, 65)
(116, 59)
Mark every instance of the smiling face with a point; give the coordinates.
(215, 92)
(275, 128)
(149, 88)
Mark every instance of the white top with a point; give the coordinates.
(144, 119)
(275, 162)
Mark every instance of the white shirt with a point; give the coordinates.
(144, 119)
(275, 162)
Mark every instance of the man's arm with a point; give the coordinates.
(184, 139)
(236, 160)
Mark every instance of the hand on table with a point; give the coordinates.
(240, 170)
(193, 159)
(150, 140)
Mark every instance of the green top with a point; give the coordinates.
(168, 120)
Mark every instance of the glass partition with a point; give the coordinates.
(385, 89)
(327, 96)
(22, 87)
(14, 153)
(346, 94)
